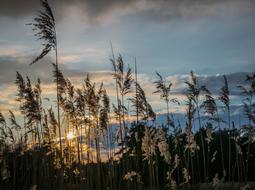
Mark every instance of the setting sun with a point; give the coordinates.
(70, 135)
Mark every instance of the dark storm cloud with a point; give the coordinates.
(9, 66)
(18, 8)
(42, 69)
(157, 9)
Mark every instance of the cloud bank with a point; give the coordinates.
(152, 9)
(43, 70)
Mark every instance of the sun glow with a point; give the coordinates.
(70, 135)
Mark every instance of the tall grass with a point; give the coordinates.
(45, 30)
(152, 157)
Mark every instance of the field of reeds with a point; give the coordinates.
(84, 141)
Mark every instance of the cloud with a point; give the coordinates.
(92, 8)
(69, 59)
(153, 9)
(212, 82)
(7, 100)
(43, 70)
(10, 64)
(12, 61)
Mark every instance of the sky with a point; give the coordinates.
(210, 37)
